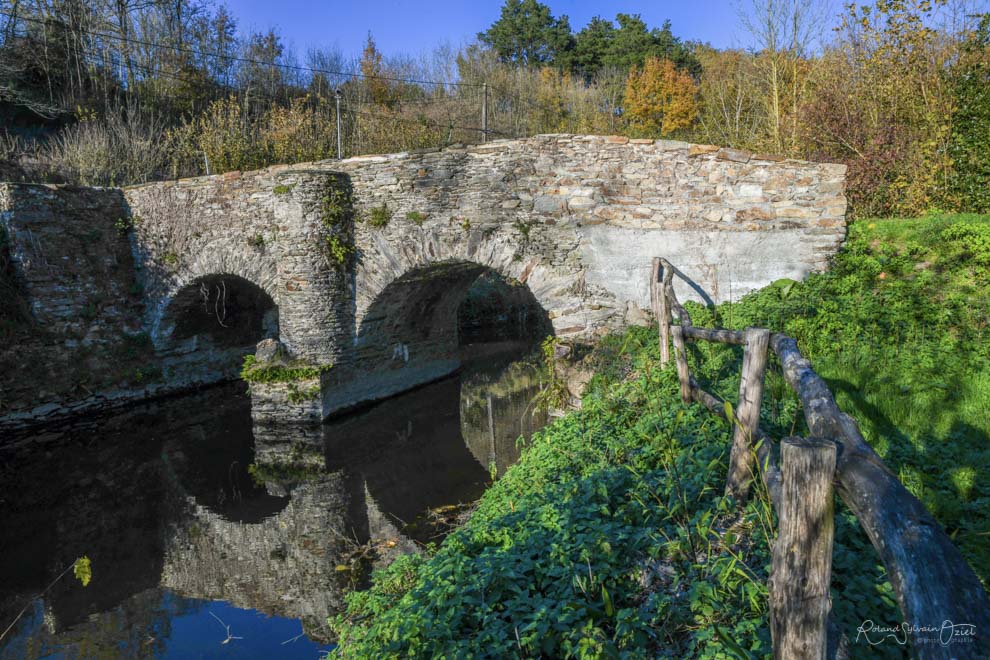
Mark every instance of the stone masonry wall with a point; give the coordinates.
(577, 219)
(590, 212)
(81, 345)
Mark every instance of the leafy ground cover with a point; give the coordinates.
(611, 536)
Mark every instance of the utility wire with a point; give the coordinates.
(96, 59)
(235, 58)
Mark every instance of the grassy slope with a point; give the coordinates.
(611, 536)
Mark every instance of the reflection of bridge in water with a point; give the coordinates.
(263, 518)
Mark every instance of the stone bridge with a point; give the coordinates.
(363, 263)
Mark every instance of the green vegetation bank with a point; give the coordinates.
(611, 536)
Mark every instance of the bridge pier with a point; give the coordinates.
(313, 256)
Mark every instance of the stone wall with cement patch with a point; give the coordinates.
(587, 213)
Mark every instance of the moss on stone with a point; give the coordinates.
(262, 473)
(297, 395)
(253, 372)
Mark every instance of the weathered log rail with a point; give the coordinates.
(946, 611)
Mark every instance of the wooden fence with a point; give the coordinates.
(946, 611)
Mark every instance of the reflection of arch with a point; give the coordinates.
(409, 452)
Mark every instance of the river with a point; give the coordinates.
(208, 537)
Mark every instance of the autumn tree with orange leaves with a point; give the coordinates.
(660, 98)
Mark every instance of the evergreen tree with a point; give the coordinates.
(592, 46)
(602, 45)
(528, 34)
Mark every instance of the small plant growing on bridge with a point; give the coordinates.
(380, 216)
(282, 189)
(262, 473)
(123, 225)
(171, 259)
(523, 228)
(297, 395)
(256, 241)
(465, 224)
(337, 250)
(416, 217)
(336, 207)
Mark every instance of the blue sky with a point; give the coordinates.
(412, 27)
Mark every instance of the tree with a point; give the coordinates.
(261, 73)
(783, 31)
(373, 69)
(592, 45)
(969, 143)
(527, 33)
(601, 45)
(660, 98)
(731, 108)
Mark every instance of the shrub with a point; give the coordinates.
(969, 143)
(114, 150)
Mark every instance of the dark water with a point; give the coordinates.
(211, 538)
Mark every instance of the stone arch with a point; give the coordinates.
(208, 325)
(163, 284)
(227, 308)
(414, 320)
(408, 283)
(381, 262)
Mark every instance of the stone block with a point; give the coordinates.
(702, 149)
(734, 155)
(547, 204)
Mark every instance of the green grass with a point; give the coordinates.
(899, 329)
(552, 561)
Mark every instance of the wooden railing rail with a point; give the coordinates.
(945, 608)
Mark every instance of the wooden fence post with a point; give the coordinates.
(680, 356)
(668, 277)
(802, 553)
(661, 310)
(747, 422)
(656, 295)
